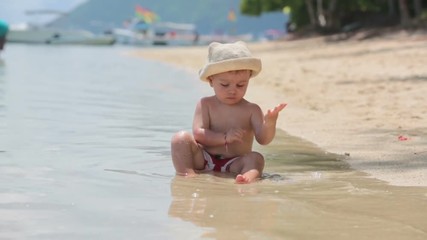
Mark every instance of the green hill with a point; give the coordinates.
(208, 15)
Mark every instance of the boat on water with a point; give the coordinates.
(25, 33)
(33, 33)
(170, 34)
(145, 28)
(160, 33)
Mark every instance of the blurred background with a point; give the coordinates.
(192, 22)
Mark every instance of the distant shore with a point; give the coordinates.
(366, 99)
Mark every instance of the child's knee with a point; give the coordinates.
(181, 137)
(258, 156)
(257, 159)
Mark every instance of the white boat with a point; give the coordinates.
(161, 33)
(175, 34)
(42, 34)
(131, 36)
(25, 33)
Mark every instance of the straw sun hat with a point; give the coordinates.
(224, 57)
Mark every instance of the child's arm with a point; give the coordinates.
(265, 128)
(202, 133)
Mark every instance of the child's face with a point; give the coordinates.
(230, 87)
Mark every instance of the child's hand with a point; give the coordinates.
(234, 135)
(272, 114)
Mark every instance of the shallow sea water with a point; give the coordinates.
(85, 154)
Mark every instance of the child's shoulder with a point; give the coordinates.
(248, 106)
(248, 103)
(207, 99)
(253, 106)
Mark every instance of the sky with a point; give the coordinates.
(13, 11)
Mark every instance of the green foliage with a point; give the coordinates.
(257, 7)
(251, 7)
(334, 10)
(300, 15)
(362, 6)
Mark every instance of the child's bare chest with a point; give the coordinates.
(225, 119)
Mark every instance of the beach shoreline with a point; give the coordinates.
(366, 100)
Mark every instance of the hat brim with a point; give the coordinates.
(249, 63)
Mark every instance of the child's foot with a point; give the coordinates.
(240, 179)
(248, 176)
(189, 174)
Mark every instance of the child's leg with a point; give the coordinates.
(186, 154)
(248, 167)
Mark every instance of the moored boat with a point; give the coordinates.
(25, 33)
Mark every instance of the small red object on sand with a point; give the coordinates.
(402, 138)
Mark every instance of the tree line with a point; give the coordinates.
(334, 15)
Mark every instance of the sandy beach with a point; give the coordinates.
(366, 100)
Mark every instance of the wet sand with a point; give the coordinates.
(364, 99)
(307, 189)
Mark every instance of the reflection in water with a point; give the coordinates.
(317, 197)
(224, 209)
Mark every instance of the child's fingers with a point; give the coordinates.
(276, 109)
(236, 135)
(280, 107)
